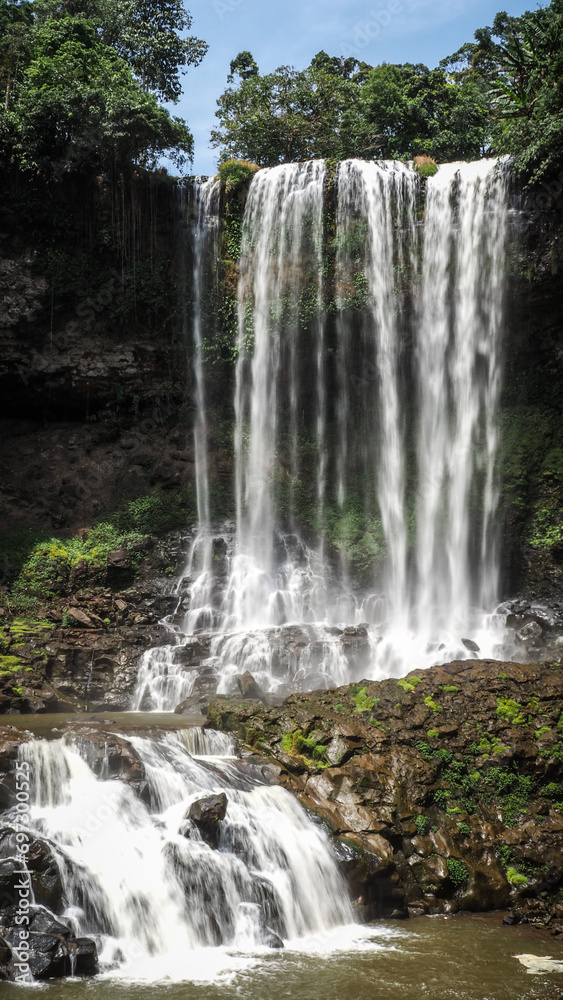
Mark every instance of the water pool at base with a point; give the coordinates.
(453, 958)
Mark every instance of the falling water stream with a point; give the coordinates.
(391, 419)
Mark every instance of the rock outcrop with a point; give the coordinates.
(444, 790)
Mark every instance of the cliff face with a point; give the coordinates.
(96, 394)
(447, 784)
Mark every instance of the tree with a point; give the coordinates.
(286, 115)
(148, 34)
(522, 59)
(244, 65)
(15, 22)
(341, 108)
(77, 107)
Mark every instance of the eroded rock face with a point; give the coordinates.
(442, 786)
(53, 950)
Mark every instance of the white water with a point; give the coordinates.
(458, 353)
(159, 900)
(426, 355)
(283, 229)
(200, 208)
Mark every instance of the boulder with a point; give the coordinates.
(208, 810)
(530, 634)
(471, 645)
(53, 951)
(249, 688)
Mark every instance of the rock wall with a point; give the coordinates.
(443, 790)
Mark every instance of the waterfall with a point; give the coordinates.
(370, 310)
(199, 201)
(282, 239)
(458, 363)
(380, 197)
(165, 895)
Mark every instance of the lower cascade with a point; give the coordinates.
(400, 568)
(175, 868)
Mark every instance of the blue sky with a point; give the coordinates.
(292, 31)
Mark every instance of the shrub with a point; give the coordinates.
(422, 824)
(234, 173)
(458, 872)
(425, 166)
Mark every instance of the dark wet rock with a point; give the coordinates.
(471, 645)
(208, 810)
(53, 951)
(271, 939)
(444, 786)
(249, 687)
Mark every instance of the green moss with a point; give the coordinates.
(542, 731)
(432, 734)
(10, 665)
(408, 684)
(511, 710)
(297, 745)
(464, 829)
(448, 688)
(457, 871)
(515, 877)
(363, 703)
(27, 628)
(488, 744)
(432, 704)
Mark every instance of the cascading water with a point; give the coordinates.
(458, 355)
(164, 895)
(282, 238)
(327, 396)
(202, 224)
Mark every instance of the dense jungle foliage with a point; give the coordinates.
(502, 93)
(81, 82)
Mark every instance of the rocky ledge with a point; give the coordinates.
(443, 790)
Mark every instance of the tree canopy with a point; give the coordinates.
(82, 81)
(501, 93)
(340, 107)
